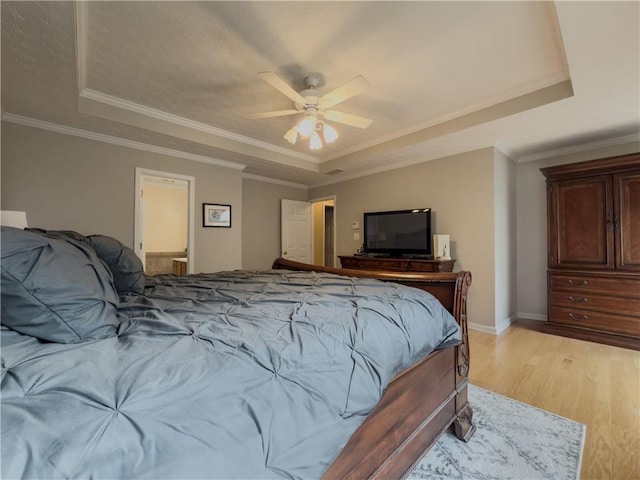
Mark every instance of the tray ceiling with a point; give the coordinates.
(446, 77)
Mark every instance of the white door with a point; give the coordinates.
(296, 231)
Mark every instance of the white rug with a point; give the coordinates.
(512, 441)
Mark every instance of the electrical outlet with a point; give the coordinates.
(356, 235)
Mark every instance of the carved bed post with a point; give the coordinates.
(460, 312)
(463, 424)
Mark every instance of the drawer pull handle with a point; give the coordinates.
(578, 300)
(582, 282)
(576, 317)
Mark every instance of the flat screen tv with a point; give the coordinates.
(398, 233)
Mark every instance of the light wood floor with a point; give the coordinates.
(594, 384)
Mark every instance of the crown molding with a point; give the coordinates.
(585, 147)
(82, 22)
(260, 178)
(558, 152)
(560, 80)
(122, 142)
(82, 29)
(394, 166)
(136, 108)
(537, 98)
(101, 105)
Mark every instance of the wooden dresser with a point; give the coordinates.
(593, 230)
(396, 264)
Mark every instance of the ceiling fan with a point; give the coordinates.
(313, 104)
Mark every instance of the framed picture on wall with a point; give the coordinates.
(216, 215)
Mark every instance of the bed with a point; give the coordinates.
(292, 372)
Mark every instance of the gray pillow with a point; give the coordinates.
(126, 267)
(64, 234)
(55, 289)
(124, 264)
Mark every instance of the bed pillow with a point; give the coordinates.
(64, 234)
(55, 289)
(123, 263)
(126, 267)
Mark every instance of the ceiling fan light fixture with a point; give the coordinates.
(314, 104)
(315, 142)
(329, 133)
(292, 135)
(307, 126)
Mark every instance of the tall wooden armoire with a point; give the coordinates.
(593, 230)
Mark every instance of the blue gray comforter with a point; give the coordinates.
(231, 375)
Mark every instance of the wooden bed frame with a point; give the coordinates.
(420, 403)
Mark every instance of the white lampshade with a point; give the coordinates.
(10, 218)
(307, 126)
(330, 134)
(292, 135)
(315, 143)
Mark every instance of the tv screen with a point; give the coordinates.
(397, 233)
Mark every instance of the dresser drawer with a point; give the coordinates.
(422, 267)
(373, 264)
(350, 262)
(589, 301)
(437, 266)
(396, 264)
(595, 284)
(382, 264)
(608, 322)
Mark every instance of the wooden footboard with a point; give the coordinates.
(420, 403)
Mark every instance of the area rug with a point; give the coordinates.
(512, 441)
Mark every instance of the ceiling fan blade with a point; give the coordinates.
(283, 87)
(347, 119)
(279, 113)
(342, 93)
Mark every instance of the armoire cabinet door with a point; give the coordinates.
(581, 229)
(627, 220)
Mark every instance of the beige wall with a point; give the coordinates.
(261, 221)
(165, 226)
(460, 191)
(532, 227)
(66, 182)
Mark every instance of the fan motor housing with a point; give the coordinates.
(312, 98)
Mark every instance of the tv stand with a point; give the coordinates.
(396, 264)
(406, 256)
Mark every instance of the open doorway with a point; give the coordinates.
(164, 221)
(324, 231)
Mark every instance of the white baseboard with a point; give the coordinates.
(481, 328)
(532, 316)
(506, 323)
(497, 330)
